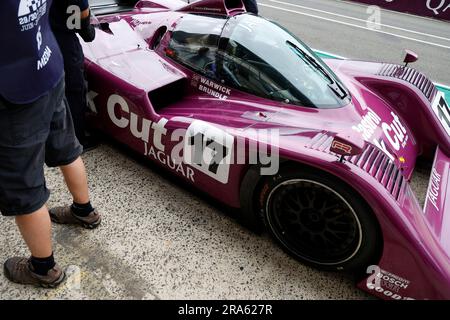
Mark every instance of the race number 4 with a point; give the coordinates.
(442, 110)
(209, 150)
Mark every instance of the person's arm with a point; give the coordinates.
(87, 31)
(85, 13)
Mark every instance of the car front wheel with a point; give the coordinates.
(319, 220)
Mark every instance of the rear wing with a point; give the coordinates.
(101, 7)
(214, 7)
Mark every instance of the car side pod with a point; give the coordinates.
(410, 57)
(347, 144)
(437, 202)
(434, 234)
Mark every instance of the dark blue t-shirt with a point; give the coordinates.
(59, 15)
(30, 61)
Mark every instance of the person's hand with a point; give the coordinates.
(87, 30)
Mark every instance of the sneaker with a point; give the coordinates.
(65, 215)
(20, 270)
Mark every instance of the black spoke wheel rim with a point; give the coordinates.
(314, 222)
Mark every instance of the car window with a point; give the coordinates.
(194, 42)
(262, 58)
(240, 68)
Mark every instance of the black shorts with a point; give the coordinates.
(31, 135)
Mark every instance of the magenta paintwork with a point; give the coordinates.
(387, 112)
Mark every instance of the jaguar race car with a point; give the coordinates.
(319, 153)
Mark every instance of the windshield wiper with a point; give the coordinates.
(333, 85)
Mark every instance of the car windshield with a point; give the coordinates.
(256, 56)
(262, 58)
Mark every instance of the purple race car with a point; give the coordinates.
(320, 153)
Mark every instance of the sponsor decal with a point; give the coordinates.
(91, 95)
(141, 131)
(442, 110)
(433, 189)
(368, 124)
(210, 87)
(209, 149)
(168, 161)
(202, 146)
(394, 132)
(137, 21)
(208, 9)
(438, 6)
(386, 283)
(151, 133)
(337, 145)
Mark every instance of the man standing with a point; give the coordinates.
(67, 18)
(36, 128)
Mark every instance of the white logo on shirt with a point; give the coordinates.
(39, 38)
(30, 12)
(42, 62)
(29, 6)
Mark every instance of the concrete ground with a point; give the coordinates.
(161, 241)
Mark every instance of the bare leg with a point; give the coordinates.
(36, 231)
(76, 180)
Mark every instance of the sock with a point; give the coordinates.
(41, 266)
(82, 210)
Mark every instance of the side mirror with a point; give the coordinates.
(347, 145)
(410, 57)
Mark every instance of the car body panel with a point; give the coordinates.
(391, 112)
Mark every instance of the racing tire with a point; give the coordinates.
(319, 220)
